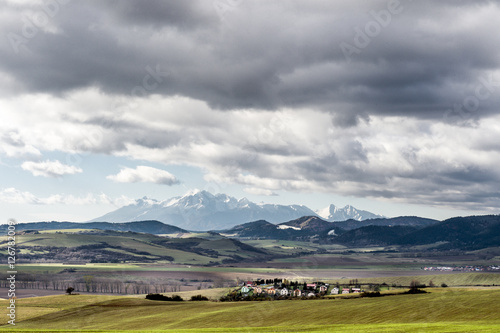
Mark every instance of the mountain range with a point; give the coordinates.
(201, 210)
(459, 233)
(306, 227)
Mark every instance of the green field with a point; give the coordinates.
(136, 246)
(441, 310)
(459, 279)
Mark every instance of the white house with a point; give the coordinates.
(245, 289)
(335, 291)
(284, 292)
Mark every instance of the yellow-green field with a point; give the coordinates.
(457, 279)
(441, 310)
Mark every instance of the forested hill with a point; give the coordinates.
(468, 233)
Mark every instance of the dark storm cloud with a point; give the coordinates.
(266, 55)
(158, 13)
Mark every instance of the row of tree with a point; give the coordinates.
(89, 283)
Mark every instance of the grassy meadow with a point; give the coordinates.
(465, 306)
(441, 310)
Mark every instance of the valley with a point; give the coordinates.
(112, 266)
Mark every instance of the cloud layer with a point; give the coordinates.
(410, 59)
(397, 101)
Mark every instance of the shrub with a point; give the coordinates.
(415, 291)
(199, 298)
(159, 297)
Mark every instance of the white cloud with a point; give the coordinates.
(50, 168)
(144, 174)
(14, 196)
(259, 191)
(117, 202)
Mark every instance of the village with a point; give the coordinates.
(284, 289)
(490, 268)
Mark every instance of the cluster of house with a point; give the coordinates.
(464, 268)
(308, 290)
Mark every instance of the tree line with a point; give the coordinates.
(89, 283)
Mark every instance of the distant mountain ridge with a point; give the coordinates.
(312, 226)
(467, 233)
(458, 233)
(151, 227)
(201, 210)
(408, 221)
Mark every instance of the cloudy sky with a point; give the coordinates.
(391, 106)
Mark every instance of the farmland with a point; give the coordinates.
(113, 270)
(447, 309)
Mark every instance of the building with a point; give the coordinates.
(271, 291)
(284, 292)
(245, 289)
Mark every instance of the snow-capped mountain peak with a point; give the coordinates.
(202, 210)
(333, 213)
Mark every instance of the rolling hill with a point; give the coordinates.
(93, 245)
(302, 228)
(467, 233)
(369, 231)
(151, 227)
(374, 235)
(409, 221)
(442, 310)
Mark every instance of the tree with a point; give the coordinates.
(88, 281)
(414, 288)
(414, 284)
(69, 290)
(199, 298)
